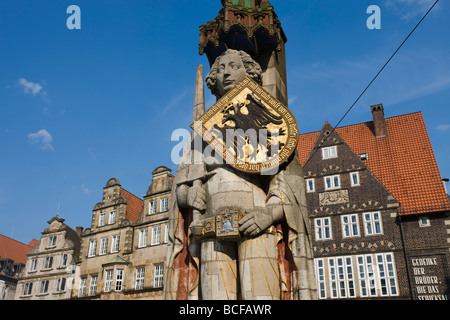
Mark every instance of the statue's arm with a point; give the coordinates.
(275, 209)
(260, 220)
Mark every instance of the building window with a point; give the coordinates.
(166, 233)
(92, 248)
(323, 228)
(82, 288)
(341, 277)
(48, 263)
(43, 289)
(320, 274)
(158, 277)
(51, 242)
(332, 182)
(152, 207)
(347, 276)
(27, 288)
(424, 221)
(369, 276)
(156, 235)
(310, 187)
(364, 156)
(143, 233)
(140, 274)
(112, 217)
(375, 274)
(93, 285)
(386, 273)
(108, 280)
(350, 226)
(63, 260)
(362, 277)
(329, 152)
(372, 223)
(103, 246)
(119, 279)
(115, 243)
(33, 265)
(333, 278)
(354, 179)
(383, 268)
(164, 205)
(60, 285)
(386, 270)
(102, 219)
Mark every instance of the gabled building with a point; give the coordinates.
(13, 257)
(379, 210)
(107, 242)
(123, 252)
(146, 272)
(50, 265)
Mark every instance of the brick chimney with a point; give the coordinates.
(79, 231)
(379, 123)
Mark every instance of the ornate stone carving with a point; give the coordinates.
(250, 25)
(333, 197)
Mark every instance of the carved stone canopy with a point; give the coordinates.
(248, 25)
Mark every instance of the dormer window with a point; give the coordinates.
(424, 221)
(363, 156)
(329, 152)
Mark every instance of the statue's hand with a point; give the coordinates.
(255, 223)
(196, 198)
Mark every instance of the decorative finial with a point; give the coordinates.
(57, 211)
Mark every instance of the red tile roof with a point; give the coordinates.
(14, 250)
(403, 161)
(134, 205)
(33, 243)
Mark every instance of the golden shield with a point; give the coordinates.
(250, 130)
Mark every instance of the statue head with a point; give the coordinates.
(229, 69)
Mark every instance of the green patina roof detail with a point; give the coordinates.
(117, 259)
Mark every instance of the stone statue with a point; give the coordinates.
(272, 258)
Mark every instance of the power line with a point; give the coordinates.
(376, 76)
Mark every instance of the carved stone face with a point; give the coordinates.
(230, 72)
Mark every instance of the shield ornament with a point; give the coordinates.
(250, 130)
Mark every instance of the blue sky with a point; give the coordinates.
(78, 107)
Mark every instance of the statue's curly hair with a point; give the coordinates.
(252, 68)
